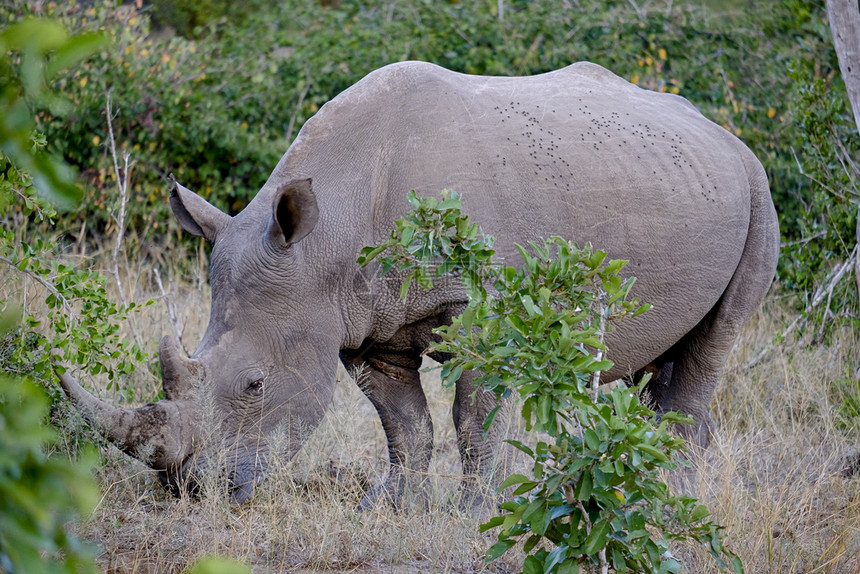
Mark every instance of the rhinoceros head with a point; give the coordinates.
(264, 372)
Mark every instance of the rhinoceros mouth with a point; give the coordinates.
(198, 475)
(242, 488)
(181, 479)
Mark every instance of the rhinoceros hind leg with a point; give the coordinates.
(698, 358)
(392, 383)
(477, 451)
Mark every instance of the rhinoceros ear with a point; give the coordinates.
(294, 212)
(196, 215)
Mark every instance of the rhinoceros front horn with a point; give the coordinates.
(159, 434)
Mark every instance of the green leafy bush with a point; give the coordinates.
(596, 495)
(39, 494)
(827, 147)
(80, 321)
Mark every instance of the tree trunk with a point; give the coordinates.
(844, 16)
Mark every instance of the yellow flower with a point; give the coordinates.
(83, 82)
(634, 79)
(661, 53)
(771, 112)
(96, 140)
(649, 60)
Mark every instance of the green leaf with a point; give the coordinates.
(529, 306)
(531, 543)
(404, 288)
(512, 480)
(39, 34)
(700, 512)
(583, 488)
(641, 309)
(546, 415)
(488, 422)
(601, 365)
(596, 259)
(534, 512)
(620, 400)
(615, 266)
(655, 453)
(531, 565)
(558, 554)
(528, 407)
(218, 565)
(521, 447)
(596, 539)
(525, 487)
(491, 523)
(498, 549)
(406, 236)
(592, 440)
(468, 316)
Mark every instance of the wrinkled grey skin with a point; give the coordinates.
(578, 152)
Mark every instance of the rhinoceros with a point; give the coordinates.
(577, 152)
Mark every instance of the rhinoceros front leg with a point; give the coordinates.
(393, 385)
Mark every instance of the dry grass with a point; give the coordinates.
(772, 474)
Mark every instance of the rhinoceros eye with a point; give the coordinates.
(256, 386)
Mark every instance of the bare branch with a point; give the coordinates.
(122, 179)
(803, 241)
(44, 283)
(298, 109)
(857, 253)
(171, 309)
(822, 293)
(601, 333)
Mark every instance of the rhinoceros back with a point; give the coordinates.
(577, 152)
